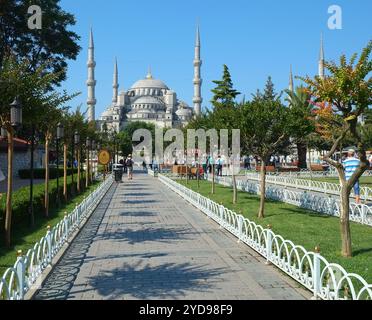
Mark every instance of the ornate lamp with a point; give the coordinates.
(60, 131)
(16, 113)
(76, 138)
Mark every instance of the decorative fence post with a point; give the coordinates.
(316, 273)
(269, 243)
(65, 221)
(20, 275)
(221, 211)
(240, 226)
(49, 244)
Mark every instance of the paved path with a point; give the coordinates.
(145, 242)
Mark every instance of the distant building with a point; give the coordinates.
(148, 100)
(22, 156)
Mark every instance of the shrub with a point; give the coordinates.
(40, 173)
(21, 197)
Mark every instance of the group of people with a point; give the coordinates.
(127, 164)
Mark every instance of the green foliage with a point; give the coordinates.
(21, 198)
(269, 92)
(264, 126)
(54, 42)
(300, 118)
(347, 92)
(40, 173)
(124, 138)
(224, 94)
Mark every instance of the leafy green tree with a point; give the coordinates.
(30, 88)
(264, 131)
(54, 42)
(224, 94)
(125, 136)
(302, 124)
(347, 93)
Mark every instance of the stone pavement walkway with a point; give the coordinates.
(145, 242)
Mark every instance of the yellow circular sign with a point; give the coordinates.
(104, 157)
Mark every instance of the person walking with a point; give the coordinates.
(219, 163)
(350, 164)
(129, 164)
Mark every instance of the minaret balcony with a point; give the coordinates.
(91, 82)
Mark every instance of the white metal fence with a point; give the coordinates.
(328, 205)
(311, 185)
(27, 270)
(325, 280)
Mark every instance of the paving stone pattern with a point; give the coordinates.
(145, 242)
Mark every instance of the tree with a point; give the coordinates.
(17, 81)
(52, 115)
(264, 131)
(224, 94)
(53, 42)
(269, 92)
(125, 136)
(301, 122)
(346, 92)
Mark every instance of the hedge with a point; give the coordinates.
(40, 173)
(20, 201)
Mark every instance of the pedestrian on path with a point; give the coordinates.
(130, 167)
(351, 163)
(219, 166)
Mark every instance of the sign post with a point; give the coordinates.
(104, 159)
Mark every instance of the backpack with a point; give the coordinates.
(129, 162)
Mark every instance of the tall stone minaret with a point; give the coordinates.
(91, 83)
(321, 58)
(115, 84)
(197, 100)
(291, 86)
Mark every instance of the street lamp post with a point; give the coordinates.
(72, 165)
(87, 146)
(92, 159)
(77, 142)
(31, 205)
(59, 137)
(15, 122)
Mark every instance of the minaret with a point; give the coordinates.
(197, 100)
(115, 84)
(91, 83)
(321, 58)
(291, 86)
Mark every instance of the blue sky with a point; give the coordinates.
(254, 38)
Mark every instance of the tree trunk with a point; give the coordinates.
(187, 173)
(31, 208)
(46, 191)
(302, 151)
(198, 175)
(261, 212)
(79, 172)
(235, 191)
(87, 171)
(345, 223)
(65, 171)
(213, 180)
(8, 215)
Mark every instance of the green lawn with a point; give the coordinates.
(24, 238)
(303, 227)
